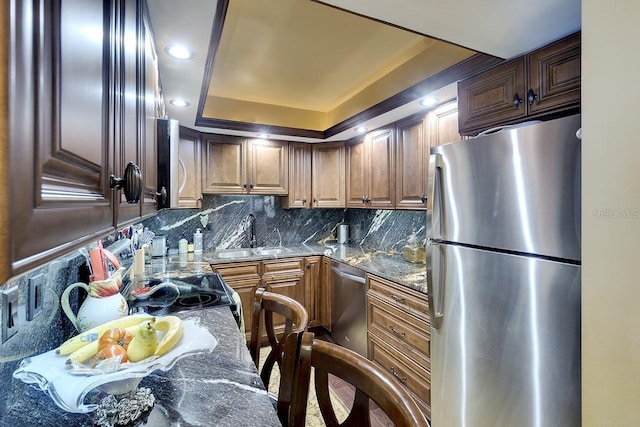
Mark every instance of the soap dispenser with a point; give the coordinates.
(197, 241)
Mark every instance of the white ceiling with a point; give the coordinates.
(503, 28)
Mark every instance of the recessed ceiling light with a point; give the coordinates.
(361, 129)
(429, 101)
(178, 51)
(179, 102)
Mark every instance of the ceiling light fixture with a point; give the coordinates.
(429, 101)
(178, 51)
(179, 102)
(361, 129)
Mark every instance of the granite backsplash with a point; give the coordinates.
(226, 227)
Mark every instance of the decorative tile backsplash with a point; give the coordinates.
(223, 220)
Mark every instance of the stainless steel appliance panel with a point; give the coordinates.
(517, 190)
(507, 349)
(349, 307)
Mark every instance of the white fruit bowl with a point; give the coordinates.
(47, 371)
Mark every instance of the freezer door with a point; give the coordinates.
(507, 350)
(517, 190)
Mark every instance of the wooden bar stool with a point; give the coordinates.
(296, 319)
(370, 381)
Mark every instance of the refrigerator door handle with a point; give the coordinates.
(435, 290)
(434, 183)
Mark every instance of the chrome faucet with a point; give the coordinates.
(251, 221)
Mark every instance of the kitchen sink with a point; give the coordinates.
(270, 251)
(235, 253)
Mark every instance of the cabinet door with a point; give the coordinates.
(412, 163)
(246, 289)
(554, 76)
(128, 145)
(59, 127)
(269, 167)
(492, 98)
(189, 172)
(324, 294)
(244, 278)
(150, 107)
(290, 286)
(328, 175)
(299, 176)
(312, 268)
(443, 125)
(357, 173)
(381, 180)
(225, 162)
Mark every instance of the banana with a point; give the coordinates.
(89, 350)
(93, 334)
(144, 342)
(172, 327)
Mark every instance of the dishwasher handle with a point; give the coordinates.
(348, 276)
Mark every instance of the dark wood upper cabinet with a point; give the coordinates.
(540, 83)
(59, 127)
(75, 119)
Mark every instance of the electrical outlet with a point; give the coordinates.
(10, 319)
(35, 296)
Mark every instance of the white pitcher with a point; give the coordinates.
(95, 310)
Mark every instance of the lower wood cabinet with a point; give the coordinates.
(398, 336)
(312, 286)
(285, 277)
(244, 278)
(297, 278)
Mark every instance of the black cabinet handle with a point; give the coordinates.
(251, 185)
(531, 96)
(517, 100)
(423, 198)
(130, 183)
(161, 197)
(244, 185)
(304, 201)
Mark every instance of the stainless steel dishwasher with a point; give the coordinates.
(349, 307)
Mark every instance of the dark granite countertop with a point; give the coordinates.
(221, 388)
(388, 265)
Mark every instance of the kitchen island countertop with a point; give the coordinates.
(221, 388)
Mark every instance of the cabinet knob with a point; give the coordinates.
(251, 185)
(531, 96)
(304, 201)
(367, 199)
(363, 199)
(315, 201)
(423, 198)
(517, 100)
(130, 183)
(161, 197)
(244, 185)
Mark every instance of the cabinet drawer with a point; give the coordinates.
(401, 297)
(238, 270)
(407, 333)
(416, 378)
(282, 267)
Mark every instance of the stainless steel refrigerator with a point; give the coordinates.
(503, 267)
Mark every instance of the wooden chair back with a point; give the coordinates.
(369, 380)
(296, 320)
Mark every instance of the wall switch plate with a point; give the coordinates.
(10, 319)
(35, 296)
